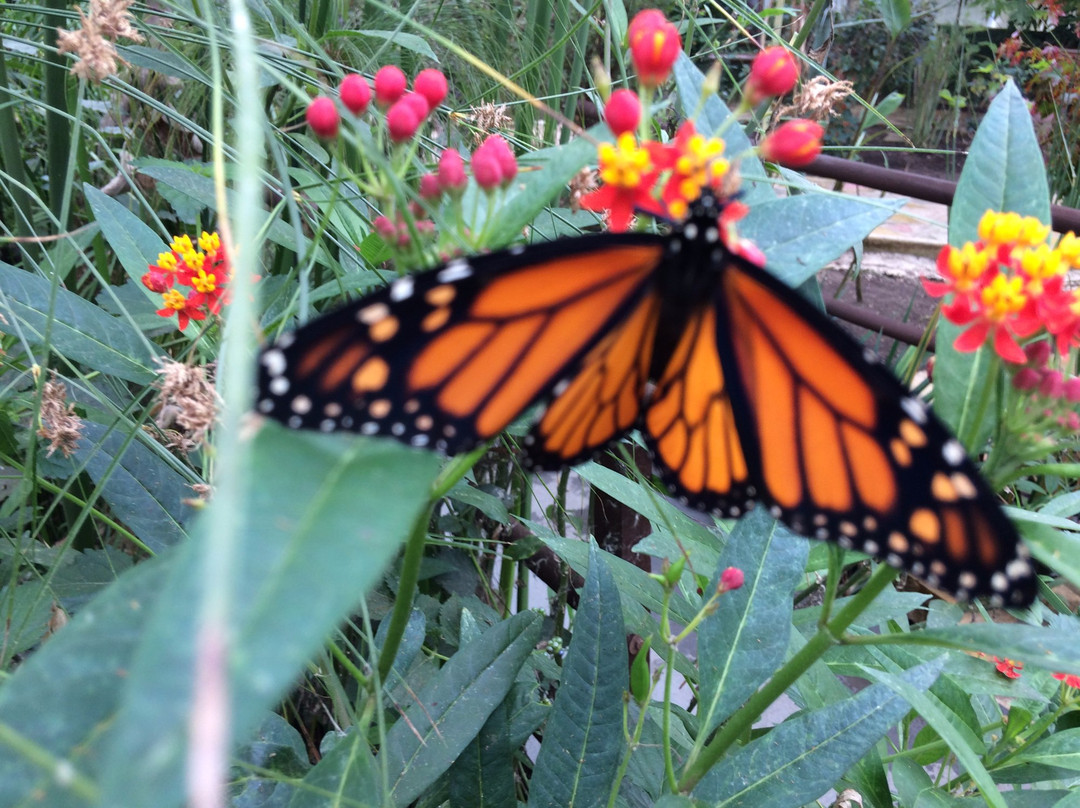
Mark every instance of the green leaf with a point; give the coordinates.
(452, 708)
(86, 574)
(1003, 172)
(270, 762)
(79, 331)
(483, 774)
(315, 533)
(800, 234)
(145, 491)
(583, 740)
(961, 741)
(80, 674)
(1053, 648)
(799, 760)
(25, 610)
(401, 39)
(347, 775)
(135, 245)
(744, 641)
(897, 15)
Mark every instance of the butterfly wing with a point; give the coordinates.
(690, 425)
(841, 451)
(448, 358)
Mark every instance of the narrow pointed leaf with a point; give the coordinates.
(744, 641)
(584, 738)
(799, 760)
(78, 330)
(451, 709)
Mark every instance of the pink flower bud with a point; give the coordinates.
(795, 144)
(1072, 390)
(773, 72)
(355, 93)
(485, 168)
(497, 147)
(452, 178)
(323, 117)
(1052, 384)
(731, 578)
(431, 84)
(389, 85)
(623, 112)
(429, 187)
(418, 103)
(1026, 379)
(402, 121)
(654, 46)
(1038, 353)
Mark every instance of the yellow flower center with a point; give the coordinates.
(208, 242)
(166, 260)
(967, 265)
(173, 299)
(182, 245)
(1003, 296)
(624, 163)
(203, 282)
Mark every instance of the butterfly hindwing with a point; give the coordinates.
(448, 358)
(843, 452)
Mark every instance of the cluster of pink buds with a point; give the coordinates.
(1056, 395)
(403, 110)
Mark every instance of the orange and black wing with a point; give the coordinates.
(448, 358)
(839, 450)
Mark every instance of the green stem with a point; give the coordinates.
(57, 126)
(12, 160)
(808, 24)
(410, 575)
(743, 719)
(58, 769)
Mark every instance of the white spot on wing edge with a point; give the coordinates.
(455, 270)
(401, 289)
(278, 386)
(953, 452)
(274, 361)
(914, 408)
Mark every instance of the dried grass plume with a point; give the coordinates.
(94, 42)
(60, 426)
(189, 401)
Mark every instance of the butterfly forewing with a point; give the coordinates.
(448, 358)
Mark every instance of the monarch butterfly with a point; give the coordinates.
(756, 396)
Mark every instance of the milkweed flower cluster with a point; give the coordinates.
(1009, 286)
(661, 179)
(204, 269)
(399, 115)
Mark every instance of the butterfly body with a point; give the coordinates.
(743, 391)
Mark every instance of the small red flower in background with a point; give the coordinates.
(695, 162)
(773, 73)
(1069, 679)
(205, 270)
(1009, 667)
(795, 144)
(323, 117)
(654, 46)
